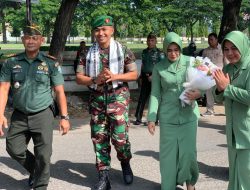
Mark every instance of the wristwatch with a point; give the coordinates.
(65, 117)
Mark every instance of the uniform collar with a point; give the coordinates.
(22, 56)
(152, 49)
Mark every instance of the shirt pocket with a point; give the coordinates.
(42, 78)
(18, 77)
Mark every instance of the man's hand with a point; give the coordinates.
(64, 126)
(108, 75)
(3, 123)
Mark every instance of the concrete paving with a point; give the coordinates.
(73, 160)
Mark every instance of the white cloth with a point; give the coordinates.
(116, 61)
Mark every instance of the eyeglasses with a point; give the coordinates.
(35, 37)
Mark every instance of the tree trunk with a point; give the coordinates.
(2, 16)
(62, 28)
(231, 9)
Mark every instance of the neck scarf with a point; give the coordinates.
(116, 61)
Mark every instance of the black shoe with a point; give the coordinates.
(31, 180)
(137, 122)
(104, 182)
(127, 173)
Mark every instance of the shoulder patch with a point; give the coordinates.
(50, 56)
(11, 55)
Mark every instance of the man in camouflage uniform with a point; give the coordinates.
(32, 76)
(106, 70)
(150, 56)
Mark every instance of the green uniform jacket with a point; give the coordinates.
(149, 58)
(31, 81)
(167, 85)
(237, 97)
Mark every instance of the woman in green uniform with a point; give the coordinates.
(178, 125)
(233, 87)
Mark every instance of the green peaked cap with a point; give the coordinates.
(31, 30)
(103, 20)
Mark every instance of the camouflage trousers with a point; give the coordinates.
(110, 122)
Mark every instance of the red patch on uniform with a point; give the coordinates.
(107, 20)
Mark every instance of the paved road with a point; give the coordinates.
(73, 168)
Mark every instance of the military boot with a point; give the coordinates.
(127, 172)
(104, 181)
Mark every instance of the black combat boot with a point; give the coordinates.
(127, 172)
(104, 182)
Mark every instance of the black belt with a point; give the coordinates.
(29, 114)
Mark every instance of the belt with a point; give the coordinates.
(29, 114)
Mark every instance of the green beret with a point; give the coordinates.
(103, 20)
(32, 30)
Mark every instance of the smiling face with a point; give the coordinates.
(231, 52)
(173, 52)
(103, 35)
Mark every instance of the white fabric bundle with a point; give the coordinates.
(199, 76)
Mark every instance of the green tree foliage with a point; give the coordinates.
(4, 6)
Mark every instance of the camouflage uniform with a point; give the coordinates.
(109, 113)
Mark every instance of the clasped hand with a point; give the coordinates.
(105, 76)
(222, 80)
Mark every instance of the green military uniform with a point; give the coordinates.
(31, 83)
(178, 125)
(236, 98)
(149, 58)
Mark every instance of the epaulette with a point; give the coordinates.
(51, 57)
(11, 55)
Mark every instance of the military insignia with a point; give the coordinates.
(17, 67)
(51, 57)
(43, 64)
(11, 55)
(40, 67)
(16, 85)
(46, 69)
(107, 20)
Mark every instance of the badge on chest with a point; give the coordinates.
(42, 68)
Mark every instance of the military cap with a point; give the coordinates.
(31, 30)
(103, 20)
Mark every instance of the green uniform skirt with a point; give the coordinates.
(178, 155)
(239, 169)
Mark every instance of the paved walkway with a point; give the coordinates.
(73, 168)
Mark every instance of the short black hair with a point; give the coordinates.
(213, 34)
(151, 35)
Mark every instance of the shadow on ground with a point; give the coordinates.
(215, 172)
(82, 174)
(207, 124)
